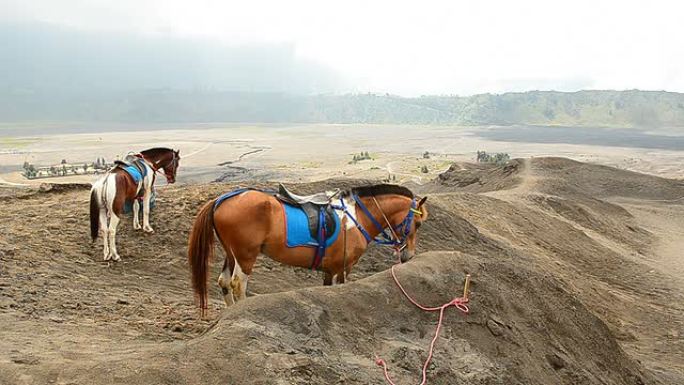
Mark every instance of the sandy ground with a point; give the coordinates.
(578, 267)
(575, 282)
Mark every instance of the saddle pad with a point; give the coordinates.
(297, 228)
(128, 204)
(134, 173)
(228, 195)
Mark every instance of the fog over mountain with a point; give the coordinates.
(46, 58)
(145, 61)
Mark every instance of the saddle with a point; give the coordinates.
(319, 199)
(316, 206)
(320, 213)
(315, 209)
(134, 166)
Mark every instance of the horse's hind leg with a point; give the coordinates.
(225, 277)
(105, 233)
(239, 282)
(113, 223)
(244, 263)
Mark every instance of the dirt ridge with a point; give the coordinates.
(567, 289)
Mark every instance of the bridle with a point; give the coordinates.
(397, 236)
(173, 161)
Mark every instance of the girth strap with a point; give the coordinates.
(322, 237)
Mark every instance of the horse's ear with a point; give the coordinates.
(422, 202)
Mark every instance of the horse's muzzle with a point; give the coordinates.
(405, 255)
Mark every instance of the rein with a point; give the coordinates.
(383, 238)
(399, 243)
(459, 303)
(155, 170)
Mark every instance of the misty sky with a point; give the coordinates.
(402, 47)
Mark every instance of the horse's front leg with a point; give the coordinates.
(329, 278)
(340, 278)
(146, 210)
(136, 209)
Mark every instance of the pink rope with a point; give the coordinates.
(459, 303)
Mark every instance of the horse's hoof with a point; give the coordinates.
(107, 257)
(148, 230)
(116, 257)
(137, 227)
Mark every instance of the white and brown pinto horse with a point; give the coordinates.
(253, 223)
(109, 194)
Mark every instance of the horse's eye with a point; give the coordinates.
(418, 225)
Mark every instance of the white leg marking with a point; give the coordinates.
(239, 283)
(146, 210)
(104, 232)
(226, 288)
(136, 208)
(106, 198)
(113, 223)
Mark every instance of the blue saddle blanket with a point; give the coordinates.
(296, 223)
(128, 205)
(297, 226)
(228, 195)
(134, 173)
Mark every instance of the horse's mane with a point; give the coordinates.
(379, 189)
(156, 151)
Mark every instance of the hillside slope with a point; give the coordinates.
(568, 288)
(595, 228)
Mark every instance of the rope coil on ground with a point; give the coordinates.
(459, 303)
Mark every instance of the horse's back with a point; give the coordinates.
(253, 223)
(249, 216)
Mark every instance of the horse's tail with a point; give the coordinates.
(94, 214)
(201, 251)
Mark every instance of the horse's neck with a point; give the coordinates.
(392, 208)
(152, 162)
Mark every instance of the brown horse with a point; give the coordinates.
(109, 194)
(253, 223)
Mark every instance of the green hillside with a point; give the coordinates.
(584, 108)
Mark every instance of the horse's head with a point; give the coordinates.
(170, 166)
(408, 248)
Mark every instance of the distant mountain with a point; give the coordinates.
(51, 73)
(583, 108)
